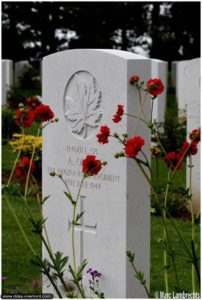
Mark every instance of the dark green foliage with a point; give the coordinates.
(177, 203)
(8, 124)
(59, 264)
(29, 78)
(172, 132)
(18, 95)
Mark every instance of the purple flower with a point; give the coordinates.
(94, 273)
(89, 270)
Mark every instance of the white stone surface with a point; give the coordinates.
(181, 86)
(117, 201)
(193, 122)
(20, 68)
(7, 79)
(160, 70)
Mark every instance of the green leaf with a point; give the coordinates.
(78, 217)
(73, 273)
(80, 269)
(130, 255)
(68, 195)
(44, 199)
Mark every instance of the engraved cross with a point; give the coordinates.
(83, 228)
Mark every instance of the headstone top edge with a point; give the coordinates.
(159, 60)
(6, 60)
(119, 53)
(185, 60)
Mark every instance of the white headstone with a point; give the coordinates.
(160, 70)
(20, 68)
(181, 86)
(116, 201)
(193, 122)
(7, 78)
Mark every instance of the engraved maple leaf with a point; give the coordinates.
(83, 107)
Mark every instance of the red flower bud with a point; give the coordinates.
(134, 79)
(103, 135)
(155, 86)
(195, 135)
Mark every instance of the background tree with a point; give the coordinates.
(30, 29)
(175, 30)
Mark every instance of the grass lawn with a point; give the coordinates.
(183, 266)
(22, 277)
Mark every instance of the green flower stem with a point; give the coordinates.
(53, 260)
(144, 284)
(158, 140)
(18, 155)
(141, 111)
(32, 157)
(192, 221)
(164, 224)
(80, 289)
(66, 185)
(44, 225)
(20, 226)
(136, 118)
(152, 107)
(179, 162)
(73, 223)
(195, 262)
(157, 167)
(167, 243)
(73, 219)
(145, 175)
(41, 212)
(53, 283)
(163, 149)
(147, 162)
(170, 217)
(140, 100)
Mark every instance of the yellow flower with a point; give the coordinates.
(28, 144)
(152, 210)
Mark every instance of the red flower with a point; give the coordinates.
(155, 86)
(103, 135)
(24, 117)
(43, 113)
(133, 146)
(192, 149)
(91, 166)
(195, 135)
(134, 79)
(119, 113)
(116, 119)
(18, 171)
(120, 110)
(172, 160)
(23, 167)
